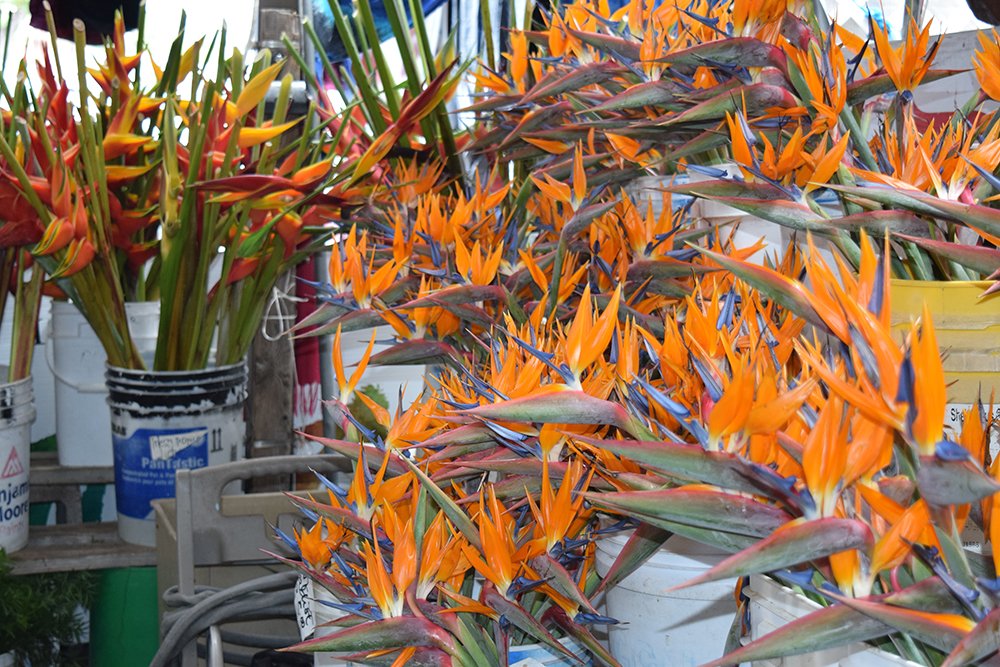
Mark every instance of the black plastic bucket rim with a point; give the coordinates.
(179, 392)
(216, 373)
(17, 399)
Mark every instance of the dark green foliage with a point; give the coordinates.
(38, 612)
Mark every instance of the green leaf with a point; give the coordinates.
(878, 84)
(734, 51)
(454, 513)
(396, 632)
(788, 293)
(754, 99)
(559, 406)
(684, 463)
(942, 631)
(797, 542)
(983, 640)
(977, 258)
(946, 482)
(645, 541)
(522, 619)
(575, 79)
(415, 352)
(699, 506)
(822, 629)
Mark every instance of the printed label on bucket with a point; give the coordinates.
(146, 461)
(13, 493)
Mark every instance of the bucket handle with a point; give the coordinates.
(82, 388)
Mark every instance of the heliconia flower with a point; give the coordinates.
(119, 139)
(79, 254)
(241, 268)
(255, 90)
(254, 136)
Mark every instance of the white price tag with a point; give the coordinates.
(954, 415)
(162, 447)
(304, 606)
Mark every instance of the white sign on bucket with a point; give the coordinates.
(162, 422)
(17, 411)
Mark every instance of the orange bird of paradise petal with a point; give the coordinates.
(929, 396)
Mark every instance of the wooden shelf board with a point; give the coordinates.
(86, 546)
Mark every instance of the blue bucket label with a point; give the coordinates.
(146, 462)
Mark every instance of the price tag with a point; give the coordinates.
(304, 606)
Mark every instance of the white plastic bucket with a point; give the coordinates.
(540, 655)
(773, 605)
(324, 614)
(42, 382)
(680, 628)
(162, 421)
(17, 411)
(77, 360)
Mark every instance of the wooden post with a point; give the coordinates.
(272, 361)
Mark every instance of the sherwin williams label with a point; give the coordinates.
(146, 462)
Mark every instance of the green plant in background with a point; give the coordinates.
(38, 612)
(364, 414)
